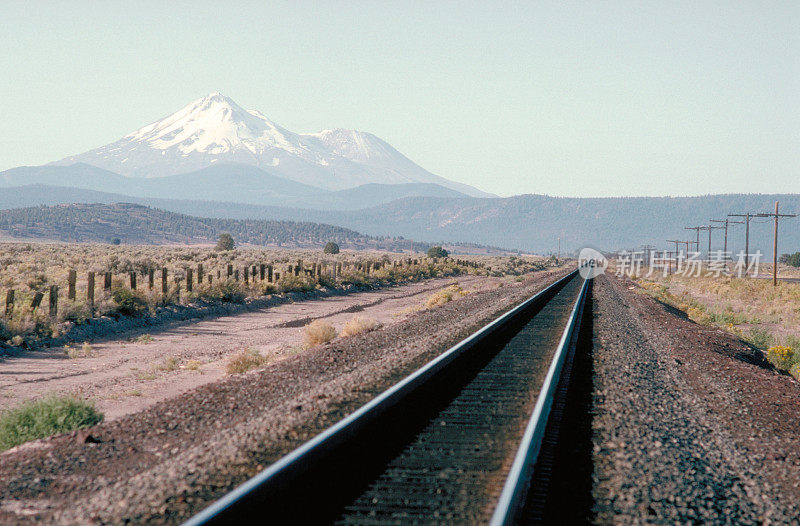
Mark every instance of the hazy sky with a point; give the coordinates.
(563, 98)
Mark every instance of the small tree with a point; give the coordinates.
(437, 252)
(225, 242)
(115, 241)
(790, 259)
(331, 248)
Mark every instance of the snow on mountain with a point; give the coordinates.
(214, 129)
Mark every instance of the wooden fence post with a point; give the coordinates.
(53, 311)
(269, 273)
(107, 281)
(189, 280)
(37, 300)
(164, 286)
(72, 278)
(230, 270)
(263, 269)
(236, 275)
(90, 292)
(151, 278)
(246, 274)
(133, 280)
(199, 273)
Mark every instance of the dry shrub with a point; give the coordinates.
(359, 324)
(318, 332)
(783, 357)
(169, 364)
(245, 361)
(444, 296)
(193, 365)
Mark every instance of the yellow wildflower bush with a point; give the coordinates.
(780, 356)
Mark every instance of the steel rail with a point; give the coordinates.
(515, 489)
(304, 458)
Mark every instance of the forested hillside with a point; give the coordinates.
(137, 224)
(131, 223)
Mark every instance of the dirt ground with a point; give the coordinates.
(141, 367)
(166, 462)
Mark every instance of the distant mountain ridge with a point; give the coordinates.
(232, 183)
(528, 222)
(215, 130)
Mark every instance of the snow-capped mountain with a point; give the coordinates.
(215, 130)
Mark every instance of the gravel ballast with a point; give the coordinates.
(689, 424)
(165, 463)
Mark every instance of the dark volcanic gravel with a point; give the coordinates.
(689, 424)
(168, 462)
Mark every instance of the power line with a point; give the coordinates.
(727, 222)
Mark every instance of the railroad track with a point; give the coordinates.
(455, 442)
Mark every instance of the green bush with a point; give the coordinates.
(225, 242)
(43, 418)
(331, 248)
(760, 338)
(129, 302)
(269, 288)
(225, 290)
(292, 283)
(437, 252)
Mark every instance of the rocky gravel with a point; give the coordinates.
(690, 424)
(165, 463)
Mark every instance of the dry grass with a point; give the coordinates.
(193, 365)
(169, 364)
(245, 361)
(359, 325)
(30, 268)
(318, 332)
(766, 316)
(445, 295)
(144, 338)
(85, 351)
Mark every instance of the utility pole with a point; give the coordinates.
(727, 222)
(697, 229)
(648, 250)
(777, 216)
(559, 249)
(710, 228)
(676, 252)
(746, 217)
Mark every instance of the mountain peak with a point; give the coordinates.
(213, 125)
(215, 129)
